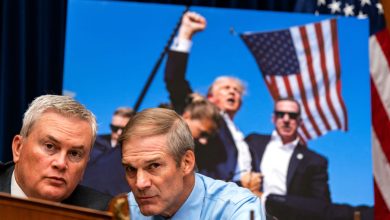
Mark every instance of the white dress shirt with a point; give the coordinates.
(274, 165)
(15, 188)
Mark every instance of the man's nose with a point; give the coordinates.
(232, 90)
(143, 180)
(60, 162)
(286, 117)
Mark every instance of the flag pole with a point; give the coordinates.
(158, 63)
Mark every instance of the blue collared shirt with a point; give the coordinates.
(211, 199)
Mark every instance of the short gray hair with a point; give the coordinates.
(223, 78)
(160, 121)
(63, 105)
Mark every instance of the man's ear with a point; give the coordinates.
(17, 145)
(210, 97)
(188, 162)
(186, 115)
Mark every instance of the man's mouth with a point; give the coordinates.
(54, 180)
(145, 199)
(231, 101)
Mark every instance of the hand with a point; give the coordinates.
(257, 193)
(252, 181)
(190, 24)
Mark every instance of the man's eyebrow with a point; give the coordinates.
(153, 160)
(51, 138)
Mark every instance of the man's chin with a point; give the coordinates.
(149, 210)
(55, 195)
(231, 109)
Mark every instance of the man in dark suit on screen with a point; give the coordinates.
(105, 159)
(289, 168)
(51, 153)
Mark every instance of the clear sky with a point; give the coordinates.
(111, 48)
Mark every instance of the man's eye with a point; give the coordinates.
(49, 147)
(130, 169)
(154, 165)
(75, 155)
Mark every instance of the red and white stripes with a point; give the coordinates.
(380, 103)
(318, 85)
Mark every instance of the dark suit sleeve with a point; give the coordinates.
(177, 86)
(309, 197)
(296, 207)
(89, 198)
(318, 183)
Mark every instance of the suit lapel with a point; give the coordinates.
(296, 158)
(5, 177)
(230, 149)
(226, 136)
(263, 144)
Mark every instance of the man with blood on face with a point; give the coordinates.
(226, 155)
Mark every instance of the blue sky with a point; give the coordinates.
(111, 48)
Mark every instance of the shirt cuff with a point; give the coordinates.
(181, 45)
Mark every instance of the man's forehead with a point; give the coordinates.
(61, 130)
(220, 82)
(120, 118)
(286, 104)
(145, 143)
(134, 153)
(144, 158)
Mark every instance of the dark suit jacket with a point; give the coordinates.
(81, 196)
(307, 176)
(218, 159)
(304, 208)
(105, 172)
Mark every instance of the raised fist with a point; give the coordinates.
(190, 24)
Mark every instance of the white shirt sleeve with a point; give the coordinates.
(181, 45)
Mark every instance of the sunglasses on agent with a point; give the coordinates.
(291, 115)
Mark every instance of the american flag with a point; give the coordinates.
(379, 46)
(303, 63)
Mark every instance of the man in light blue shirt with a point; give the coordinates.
(158, 155)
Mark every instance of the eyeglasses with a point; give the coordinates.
(115, 128)
(291, 115)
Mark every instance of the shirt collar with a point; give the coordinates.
(276, 138)
(15, 188)
(191, 209)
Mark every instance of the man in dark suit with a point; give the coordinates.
(51, 152)
(226, 156)
(288, 166)
(104, 171)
